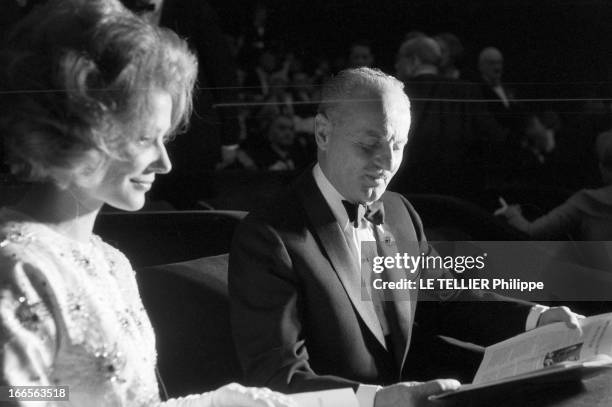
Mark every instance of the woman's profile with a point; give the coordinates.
(92, 95)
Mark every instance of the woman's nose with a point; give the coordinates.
(162, 165)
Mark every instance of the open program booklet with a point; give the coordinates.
(548, 354)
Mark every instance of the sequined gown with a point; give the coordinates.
(71, 314)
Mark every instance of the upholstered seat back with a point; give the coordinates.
(187, 302)
(189, 308)
(161, 237)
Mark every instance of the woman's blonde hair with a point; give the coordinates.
(78, 76)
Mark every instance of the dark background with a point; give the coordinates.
(562, 45)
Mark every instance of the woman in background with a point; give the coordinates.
(94, 93)
(586, 215)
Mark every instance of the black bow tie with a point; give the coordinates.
(374, 212)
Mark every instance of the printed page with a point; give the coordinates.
(568, 371)
(546, 346)
(327, 398)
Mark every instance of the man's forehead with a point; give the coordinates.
(492, 58)
(385, 101)
(379, 120)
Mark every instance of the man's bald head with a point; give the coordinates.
(358, 85)
(491, 65)
(490, 53)
(416, 53)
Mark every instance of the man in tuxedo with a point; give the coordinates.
(449, 132)
(501, 103)
(299, 320)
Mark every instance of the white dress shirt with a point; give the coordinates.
(499, 91)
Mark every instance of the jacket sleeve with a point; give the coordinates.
(477, 316)
(266, 313)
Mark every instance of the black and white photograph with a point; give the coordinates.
(322, 203)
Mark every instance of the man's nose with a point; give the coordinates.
(384, 157)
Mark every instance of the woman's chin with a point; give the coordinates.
(128, 205)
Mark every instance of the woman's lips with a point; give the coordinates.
(143, 184)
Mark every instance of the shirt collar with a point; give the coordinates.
(332, 196)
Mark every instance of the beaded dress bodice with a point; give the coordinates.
(73, 314)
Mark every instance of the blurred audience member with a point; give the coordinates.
(322, 71)
(243, 162)
(234, 45)
(280, 150)
(256, 38)
(448, 134)
(594, 117)
(418, 56)
(304, 108)
(301, 93)
(540, 136)
(214, 132)
(360, 54)
(500, 99)
(587, 215)
(452, 52)
(533, 159)
(257, 80)
(278, 101)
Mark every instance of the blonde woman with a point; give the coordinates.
(93, 94)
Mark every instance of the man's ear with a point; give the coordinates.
(323, 130)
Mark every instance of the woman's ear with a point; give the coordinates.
(323, 129)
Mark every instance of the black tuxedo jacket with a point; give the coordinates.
(509, 117)
(298, 320)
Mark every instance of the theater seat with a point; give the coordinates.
(161, 237)
(187, 301)
(247, 190)
(188, 306)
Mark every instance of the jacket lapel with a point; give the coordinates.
(399, 224)
(334, 245)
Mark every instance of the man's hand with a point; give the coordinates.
(413, 394)
(561, 314)
(508, 211)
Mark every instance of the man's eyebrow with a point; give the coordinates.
(371, 133)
